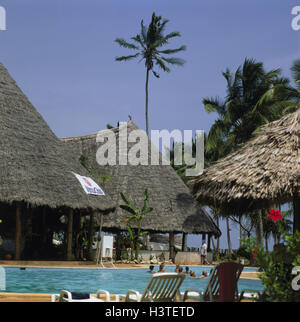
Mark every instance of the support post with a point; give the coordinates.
(91, 236)
(98, 251)
(184, 242)
(172, 245)
(18, 242)
(69, 235)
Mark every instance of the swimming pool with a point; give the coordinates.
(52, 280)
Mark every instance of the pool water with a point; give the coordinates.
(52, 280)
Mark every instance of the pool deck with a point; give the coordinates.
(32, 297)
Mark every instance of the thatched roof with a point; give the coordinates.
(262, 173)
(36, 167)
(174, 207)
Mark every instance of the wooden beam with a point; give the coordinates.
(69, 235)
(18, 241)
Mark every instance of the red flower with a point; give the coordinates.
(275, 214)
(254, 252)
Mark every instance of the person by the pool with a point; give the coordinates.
(187, 270)
(161, 268)
(151, 269)
(79, 245)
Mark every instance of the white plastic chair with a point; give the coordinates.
(162, 287)
(66, 296)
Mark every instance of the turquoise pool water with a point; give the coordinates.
(52, 280)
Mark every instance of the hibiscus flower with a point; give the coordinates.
(275, 214)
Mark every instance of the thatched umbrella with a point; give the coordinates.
(36, 167)
(174, 208)
(262, 173)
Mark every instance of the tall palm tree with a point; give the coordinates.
(148, 45)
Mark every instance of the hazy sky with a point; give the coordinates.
(61, 53)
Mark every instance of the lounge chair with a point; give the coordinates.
(66, 296)
(221, 286)
(162, 287)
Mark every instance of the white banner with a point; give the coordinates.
(89, 185)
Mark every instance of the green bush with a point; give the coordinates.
(276, 266)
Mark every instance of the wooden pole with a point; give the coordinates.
(184, 242)
(172, 245)
(69, 235)
(91, 235)
(18, 231)
(208, 241)
(98, 251)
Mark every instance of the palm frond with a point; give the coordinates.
(174, 61)
(122, 58)
(161, 64)
(172, 51)
(123, 43)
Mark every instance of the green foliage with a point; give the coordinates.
(98, 176)
(254, 97)
(276, 266)
(136, 217)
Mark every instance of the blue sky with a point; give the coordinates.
(61, 53)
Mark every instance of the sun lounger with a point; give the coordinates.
(162, 287)
(221, 286)
(66, 296)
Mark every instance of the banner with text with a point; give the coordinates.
(89, 185)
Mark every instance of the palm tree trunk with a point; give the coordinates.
(228, 235)
(259, 228)
(146, 111)
(218, 238)
(266, 244)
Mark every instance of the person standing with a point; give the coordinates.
(203, 253)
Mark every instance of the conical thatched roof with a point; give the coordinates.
(262, 173)
(36, 167)
(174, 207)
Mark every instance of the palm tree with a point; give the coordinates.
(244, 108)
(148, 45)
(247, 105)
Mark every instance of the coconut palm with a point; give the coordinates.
(245, 107)
(148, 45)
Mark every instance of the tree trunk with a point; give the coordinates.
(296, 223)
(241, 233)
(266, 244)
(146, 111)
(218, 238)
(260, 228)
(228, 235)
(18, 242)
(69, 235)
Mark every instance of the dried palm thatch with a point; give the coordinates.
(174, 208)
(36, 167)
(262, 173)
